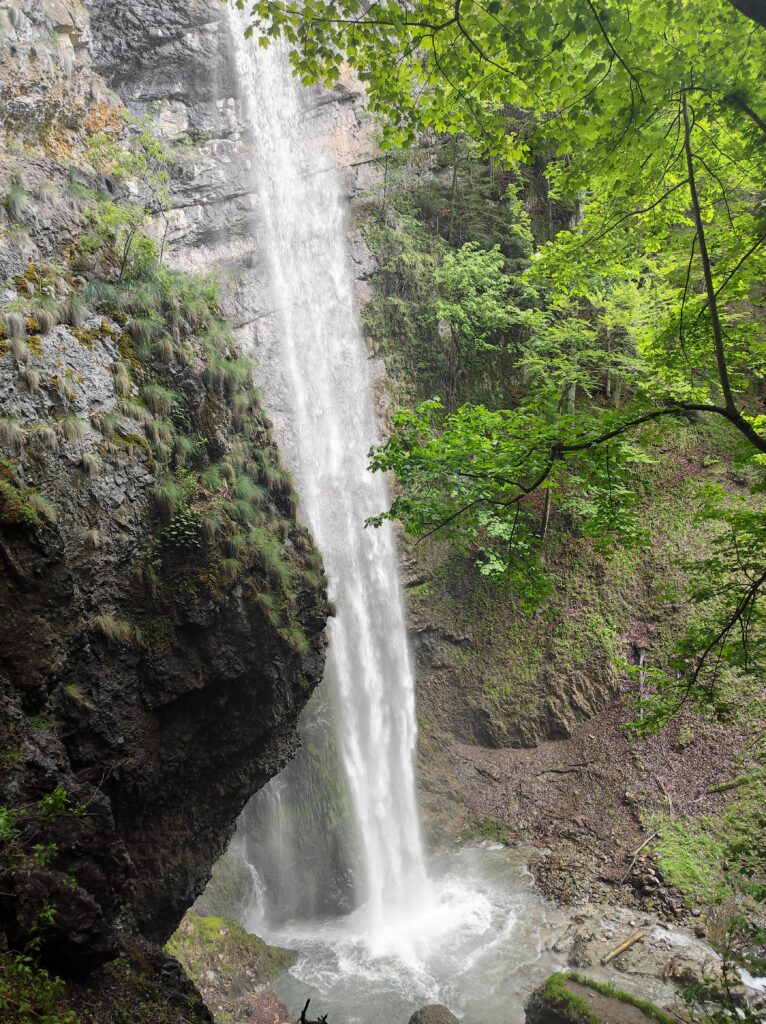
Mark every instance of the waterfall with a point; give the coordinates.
(314, 367)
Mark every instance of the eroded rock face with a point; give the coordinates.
(157, 708)
(175, 62)
(145, 692)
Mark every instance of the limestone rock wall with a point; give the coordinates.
(146, 690)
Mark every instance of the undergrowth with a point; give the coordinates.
(29, 994)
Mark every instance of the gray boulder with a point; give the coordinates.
(435, 1013)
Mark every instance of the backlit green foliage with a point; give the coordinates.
(648, 123)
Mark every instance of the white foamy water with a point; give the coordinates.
(480, 948)
(314, 367)
(488, 940)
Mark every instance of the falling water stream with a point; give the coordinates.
(470, 931)
(315, 361)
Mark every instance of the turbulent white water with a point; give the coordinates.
(315, 364)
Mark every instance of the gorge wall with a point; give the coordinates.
(163, 613)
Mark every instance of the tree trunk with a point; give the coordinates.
(453, 198)
(546, 514)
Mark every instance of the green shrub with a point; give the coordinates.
(29, 994)
(183, 530)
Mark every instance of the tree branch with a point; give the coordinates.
(610, 44)
(723, 371)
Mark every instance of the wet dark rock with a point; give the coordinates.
(145, 746)
(435, 1013)
(155, 743)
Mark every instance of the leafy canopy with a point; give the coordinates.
(650, 121)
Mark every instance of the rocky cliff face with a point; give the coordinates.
(162, 612)
(174, 62)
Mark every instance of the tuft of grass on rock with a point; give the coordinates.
(19, 351)
(45, 320)
(167, 497)
(48, 436)
(30, 377)
(15, 325)
(92, 538)
(12, 434)
(90, 464)
(74, 310)
(45, 508)
(72, 427)
(122, 382)
(17, 202)
(114, 629)
(159, 400)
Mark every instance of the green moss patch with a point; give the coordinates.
(228, 889)
(20, 505)
(238, 961)
(558, 994)
(691, 856)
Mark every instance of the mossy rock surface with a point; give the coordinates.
(574, 999)
(223, 959)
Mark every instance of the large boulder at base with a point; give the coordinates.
(435, 1013)
(573, 999)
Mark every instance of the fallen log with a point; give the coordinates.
(622, 948)
(304, 1020)
(635, 855)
